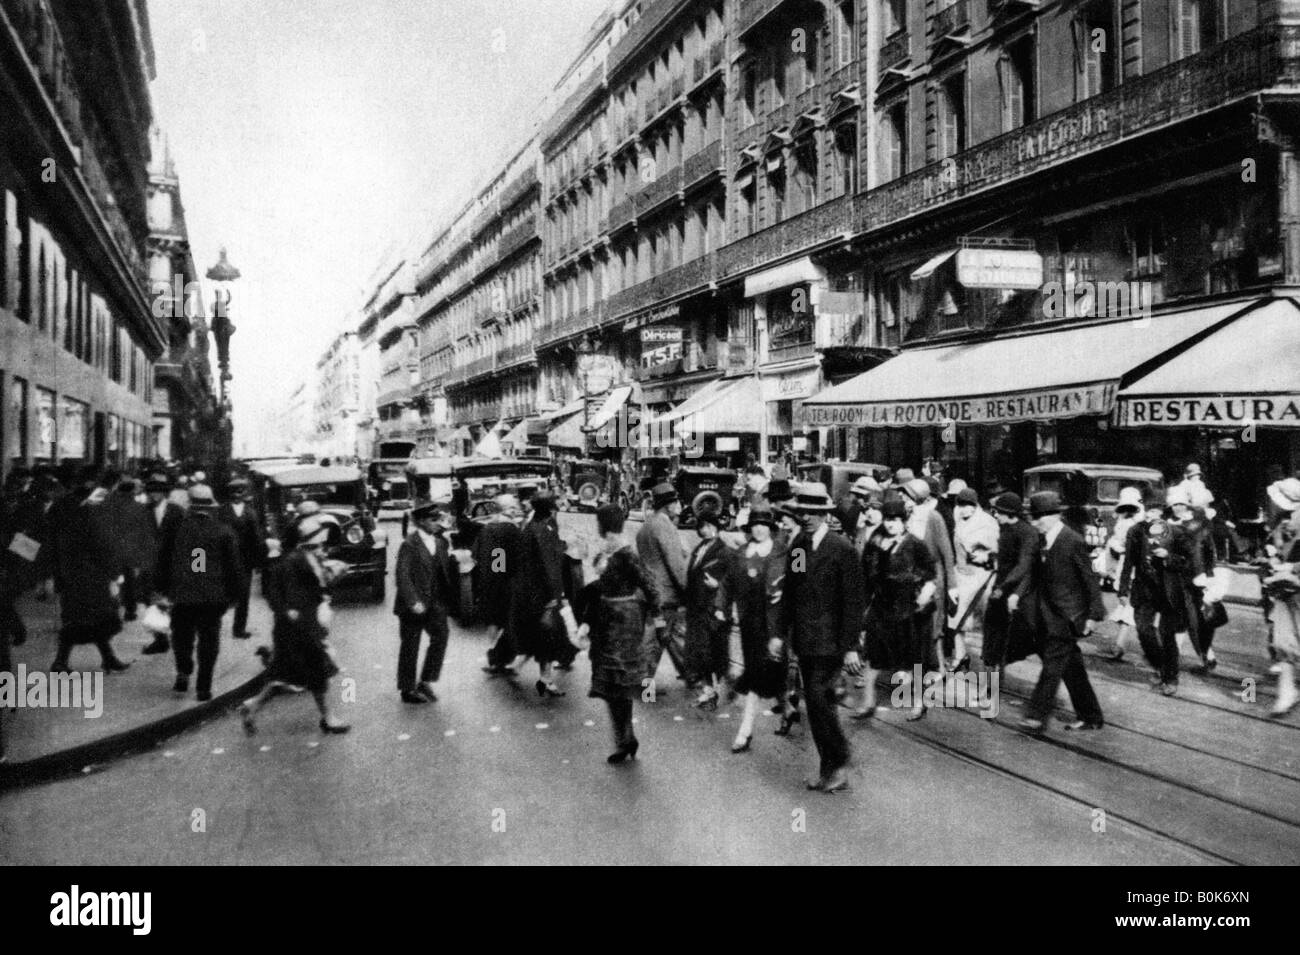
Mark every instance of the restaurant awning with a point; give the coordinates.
(614, 403)
(1245, 372)
(703, 396)
(567, 434)
(736, 409)
(517, 437)
(1037, 374)
(573, 407)
(925, 271)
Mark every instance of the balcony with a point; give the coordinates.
(1009, 8)
(653, 16)
(517, 237)
(827, 223)
(585, 319)
(659, 190)
(621, 214)
(794, 352)
(950, 28)
(674, 283)
(515, 354)
(1230, 71)
(703, 164)
(896, 53)
(752, 12)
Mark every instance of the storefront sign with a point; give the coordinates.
(991, 409)
(786, 387)
(726, 444)
(1208, 411)
(999, 268)
(662, 355)
(652, 316)
(659, 334)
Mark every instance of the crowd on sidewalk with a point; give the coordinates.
(108, 546)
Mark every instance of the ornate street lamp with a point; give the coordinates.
(223, 273)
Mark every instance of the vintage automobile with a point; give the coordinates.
(476, 481)
(588, 485)
(353, 538)
(388, 486)
(651, 469)
(429, 479)
(1090, 491)
(693, 479)
(838, 476)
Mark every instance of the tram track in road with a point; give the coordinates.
(1219, 824)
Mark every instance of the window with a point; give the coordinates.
(893, 17)
(893, 142)
(1195, 24)
(749, 206)
(952, 116)
(778, 78)
(846, 159)
(749, 95)
(1097, 44)
(1147, 250)
(17, 438)
(46, 425)
(776, 193)
(1016, 78)
(807, 63)
(844, 39)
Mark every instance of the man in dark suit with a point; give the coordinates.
(164, 518)
(239, 514)
(821, 609)
(498, 563)
(1006, 637)
(424, 578)
(1063, 605)
(198, 570)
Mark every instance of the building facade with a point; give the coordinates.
(78, 337)
(338, 400)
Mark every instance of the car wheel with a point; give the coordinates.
(588, 495)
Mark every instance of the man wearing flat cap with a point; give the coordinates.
(821, 609)
(1006, 636)
(1063, 606)
(238, 513)
(659, 545)
(426, 582)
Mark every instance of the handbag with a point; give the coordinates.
(1216, 615)
(157, 620)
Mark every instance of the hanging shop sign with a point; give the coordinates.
(659, 334)
(786, 387)
(999, 268)
(653, 315)
(987, 409)
(662, 355)
(1209, 411)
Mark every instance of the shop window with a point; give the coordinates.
(1096, 49)
(18, 422)
(74, 419)
(789, 322)
(46, 425)
(1016, 69)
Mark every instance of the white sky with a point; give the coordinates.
(310, 135)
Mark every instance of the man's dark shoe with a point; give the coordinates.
(426, 690)
(181, 685)
(838, 781)
(203, 695)
(159, 645)
(114, 665)
(411, 696)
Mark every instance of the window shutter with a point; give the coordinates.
(1189, 27)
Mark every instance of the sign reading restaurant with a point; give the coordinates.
(1096, 399)
(1208, 411)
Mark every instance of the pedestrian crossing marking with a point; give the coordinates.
(404, 737)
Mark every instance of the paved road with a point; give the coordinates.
(493, 774)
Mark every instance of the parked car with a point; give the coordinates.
(389, 489)
(429, 479)
(1090, 491)
(692, 479)
(353, 535)
(838, 476)
(476, 481)
(651, 469)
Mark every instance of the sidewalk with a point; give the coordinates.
(138, 707)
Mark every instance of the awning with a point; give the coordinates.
(573, 407)
(612, 406)
(782, 276)
(736, 409)
(1036, 375)
(1244, 372)
(517, 436)
(696, 401)
(925, 271)
(567, 434)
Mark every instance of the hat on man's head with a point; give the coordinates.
(918, 489)
(779, 489)
(1178, 495)
(967, 495)
(707, 508)
(1009, 503)
(1044, 503)
(662, 494)
(865, 486)
(813, 498)
(903, 475)
(201, 496)
(1285, 493)
(237, 484)
(955, 487)
(1192, 470)
(158, 482)
(893, 510)
(423, 509)
(761, 514)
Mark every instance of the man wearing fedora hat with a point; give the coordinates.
(238, 513)
(1063, 606)
(821, 609)
(426, 583)
(200, 573)
(164, 517)
(659, 545)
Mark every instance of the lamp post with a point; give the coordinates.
(223, 273)
(586, 359)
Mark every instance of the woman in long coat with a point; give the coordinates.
(706, 636)
(1282, 588)
(899, 574)
(614, 610)
(535, 611)
(88, 574)
(296, 591)
(751, 592)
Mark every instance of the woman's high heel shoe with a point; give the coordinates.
(334, 727)
(740, 746)
(545, 689)
(624, 752)
(787, 720)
